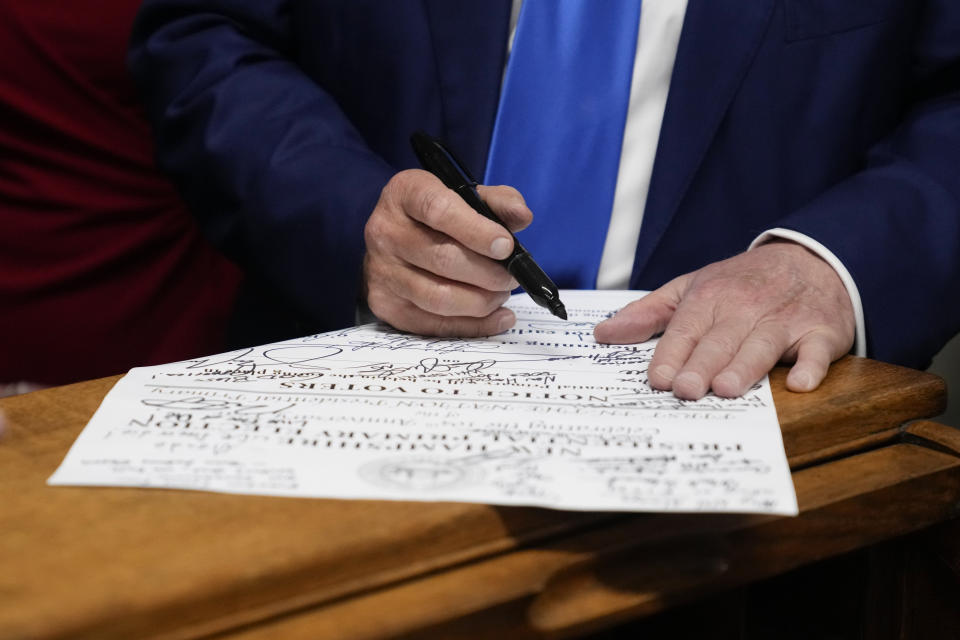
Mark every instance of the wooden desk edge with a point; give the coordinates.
(76, 401)
(562, 588)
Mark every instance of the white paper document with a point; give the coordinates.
(541, 415)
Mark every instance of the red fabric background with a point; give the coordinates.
(101, 267)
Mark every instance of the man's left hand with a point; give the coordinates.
(726, 325)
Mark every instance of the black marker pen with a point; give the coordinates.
(439, 161)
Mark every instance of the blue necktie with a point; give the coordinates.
(559, 127)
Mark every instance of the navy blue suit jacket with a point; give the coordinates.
(283, 119)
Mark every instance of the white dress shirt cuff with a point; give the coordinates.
(860, 339)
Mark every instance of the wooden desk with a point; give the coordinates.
(122, 563)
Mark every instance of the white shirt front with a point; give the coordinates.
(657, 40)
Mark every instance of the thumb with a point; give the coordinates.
(642, 319)
(815, 352)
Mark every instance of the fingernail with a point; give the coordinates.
(666, 372)
(505, 322)
(689, 385)
(728, 384)
(500, 248)
(801, 380)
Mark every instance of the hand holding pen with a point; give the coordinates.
(432, 265)
(440, 161)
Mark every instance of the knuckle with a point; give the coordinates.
(401, 182)
(434, 206)
(375, 233)
(395, 191)
(390, 191)
(725, 344)
(766, 344)
(684, 332)
(438, 299)
(445, 257)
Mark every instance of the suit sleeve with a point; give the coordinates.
(279, 178)
(895, 225)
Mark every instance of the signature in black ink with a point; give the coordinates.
(625, 356)
(302, 356)
(204, 404)
(426, 368)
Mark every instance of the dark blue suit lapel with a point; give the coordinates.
(470, 46)
(717, 44)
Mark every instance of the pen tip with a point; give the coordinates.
(559, 310)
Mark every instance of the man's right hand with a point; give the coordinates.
(431, 264)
